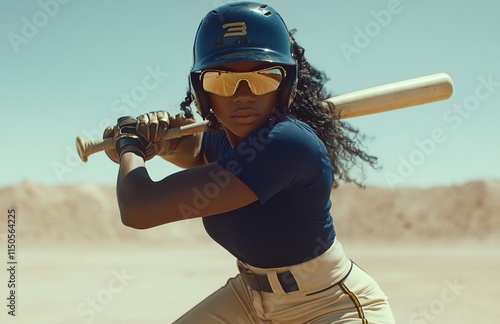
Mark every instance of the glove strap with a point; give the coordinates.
(130, 144)
(129, 140)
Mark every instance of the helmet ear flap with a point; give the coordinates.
(200, 98)
(291, 96)
(289, 89)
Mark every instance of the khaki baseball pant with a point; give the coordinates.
(332, 289)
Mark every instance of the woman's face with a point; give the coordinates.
(243, 111)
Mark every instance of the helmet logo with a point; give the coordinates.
(235, 29)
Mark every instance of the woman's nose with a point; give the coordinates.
(243, 94)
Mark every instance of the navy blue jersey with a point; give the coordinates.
(287, 166)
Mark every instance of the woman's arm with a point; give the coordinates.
(197, 192)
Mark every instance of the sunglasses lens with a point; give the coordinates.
(225, 83)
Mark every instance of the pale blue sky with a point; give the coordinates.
(68, 67)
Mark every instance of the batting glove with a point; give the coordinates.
(166, 148)
(155, 125)
(128, 139)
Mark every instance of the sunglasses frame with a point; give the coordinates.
(280, 68)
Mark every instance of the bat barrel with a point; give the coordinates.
(395, 95)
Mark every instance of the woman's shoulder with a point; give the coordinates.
(294, 140)
(294, 131)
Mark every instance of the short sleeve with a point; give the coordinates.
(271, 160)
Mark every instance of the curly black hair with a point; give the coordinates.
(343, 142)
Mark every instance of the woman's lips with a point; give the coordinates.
(244, 116)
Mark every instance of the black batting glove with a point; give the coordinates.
(128, 139)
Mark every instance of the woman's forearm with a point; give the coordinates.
(132, 186)
(145, 203)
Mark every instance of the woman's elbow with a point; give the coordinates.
(132, 219)
(142, 218)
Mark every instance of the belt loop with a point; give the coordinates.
(272, 276)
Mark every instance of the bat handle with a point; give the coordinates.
(86, 148)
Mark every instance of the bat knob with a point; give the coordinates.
(81, 148)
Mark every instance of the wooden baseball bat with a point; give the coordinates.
(387, 97)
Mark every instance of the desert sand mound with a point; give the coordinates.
(89, 212)
(441, 213)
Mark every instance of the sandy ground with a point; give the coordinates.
(145, 283)
(435, 252)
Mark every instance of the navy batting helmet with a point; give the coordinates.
(242, 32)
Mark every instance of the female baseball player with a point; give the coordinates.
(260, 178)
